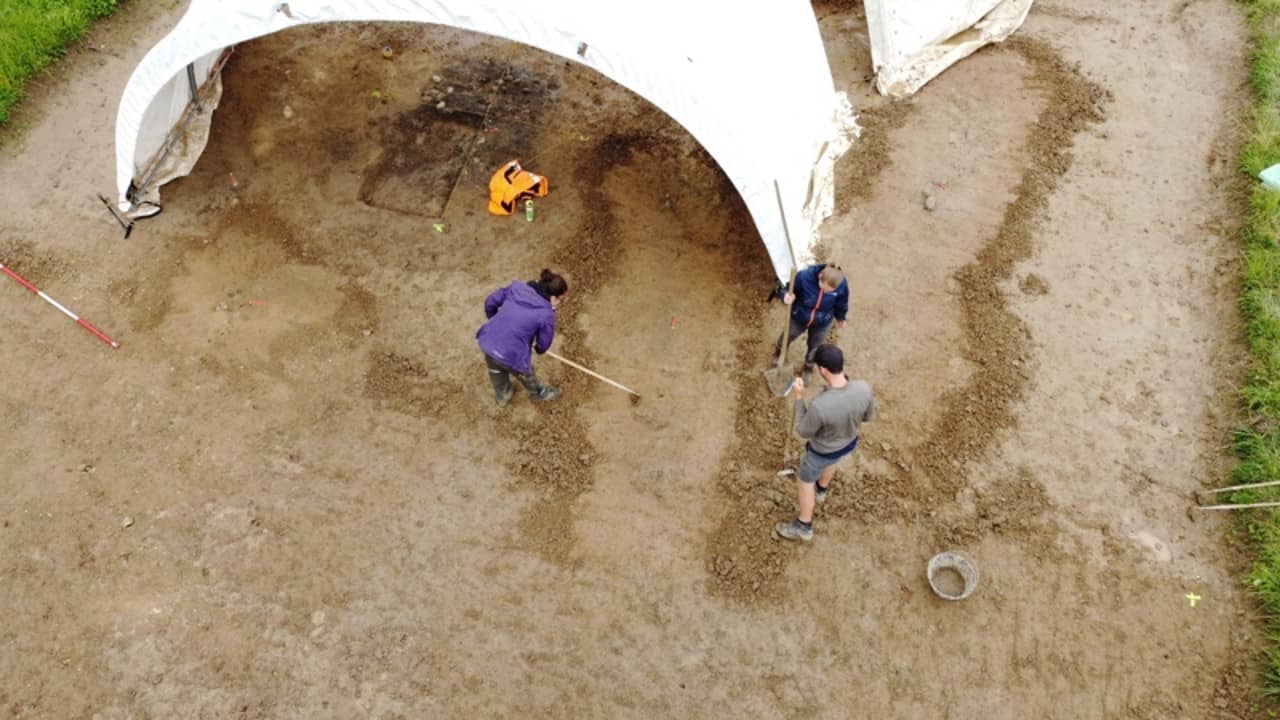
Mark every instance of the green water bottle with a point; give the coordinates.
(528, 210)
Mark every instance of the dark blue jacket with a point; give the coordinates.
(518, 317)
(830, 305)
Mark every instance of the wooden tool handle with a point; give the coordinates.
(592, 373)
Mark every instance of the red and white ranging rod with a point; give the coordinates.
(80, 321)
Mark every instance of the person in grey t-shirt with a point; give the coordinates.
(831, 423)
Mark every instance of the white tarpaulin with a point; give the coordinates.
(750, 82)
(914, 40)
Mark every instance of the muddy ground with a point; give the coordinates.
(289, 493)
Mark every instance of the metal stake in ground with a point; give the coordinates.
(80, 321)
(126, 225)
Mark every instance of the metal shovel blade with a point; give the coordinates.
(779, 380)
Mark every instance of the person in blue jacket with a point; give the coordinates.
(520, 316)
(818, 299)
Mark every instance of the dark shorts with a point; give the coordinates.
(812, 464)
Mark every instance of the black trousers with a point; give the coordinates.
(500, 375)
(817, 336)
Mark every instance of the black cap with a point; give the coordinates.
(829, 357)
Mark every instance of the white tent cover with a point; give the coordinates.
(912, 41)
(749, 81)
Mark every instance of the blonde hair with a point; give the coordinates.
(831, 276)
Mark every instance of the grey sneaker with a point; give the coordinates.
(504, 398)
(793, 531)
(820, 493)
(547, 395)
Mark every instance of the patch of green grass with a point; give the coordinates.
(1266, 61)
(1259, 454)
(1263, 149)
(33, 33)
(1258, 448)
(1264, 17)
(1264, 216)
(1260, 303)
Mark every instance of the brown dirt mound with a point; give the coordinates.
(870, 154)
(870, 496)
(407, 386)
(39, 268)
(1011, 505)
(744, 563)
(996, 339)
(555, 457)
(555, 454)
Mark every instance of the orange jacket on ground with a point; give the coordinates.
(510, 185)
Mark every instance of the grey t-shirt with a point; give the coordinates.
(832, 419)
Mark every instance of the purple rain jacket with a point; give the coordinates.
(518, 316)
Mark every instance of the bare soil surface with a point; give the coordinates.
(289, 494)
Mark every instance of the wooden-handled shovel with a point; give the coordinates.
(779, 378)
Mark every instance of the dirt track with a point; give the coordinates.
(326, 516)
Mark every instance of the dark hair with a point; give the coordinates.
(549, 284)
(829, 357)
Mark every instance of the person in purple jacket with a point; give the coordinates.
(520, 315)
